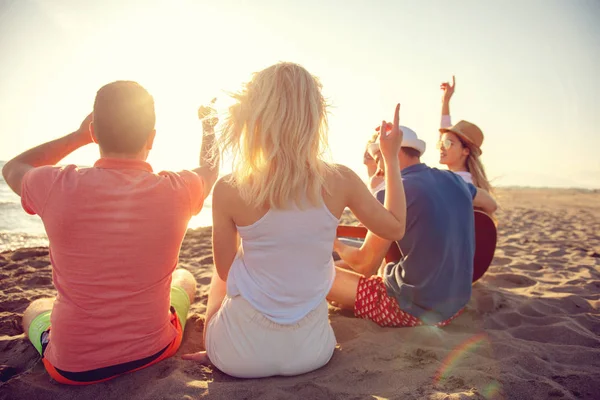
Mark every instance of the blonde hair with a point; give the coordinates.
(475, 167)
(276, 133)
(373, 139)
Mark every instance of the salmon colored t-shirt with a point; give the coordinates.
(115, 231)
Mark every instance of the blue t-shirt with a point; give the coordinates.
(433, 280)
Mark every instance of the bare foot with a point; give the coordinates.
(200, 357)
(339, 305)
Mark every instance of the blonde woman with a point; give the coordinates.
(460, 145)
(267, 312)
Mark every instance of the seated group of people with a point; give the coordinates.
(115, 231)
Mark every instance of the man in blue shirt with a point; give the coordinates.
(432, 282)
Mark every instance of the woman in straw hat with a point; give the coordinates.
(460, 144)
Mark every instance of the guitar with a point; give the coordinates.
(485, 242)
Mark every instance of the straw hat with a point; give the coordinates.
(467, 131)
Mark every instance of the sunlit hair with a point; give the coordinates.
(276, 133)
(373, 139)
(475, 167)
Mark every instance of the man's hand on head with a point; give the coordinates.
(84, 133)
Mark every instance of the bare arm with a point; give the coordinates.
(225, 235)
(209, 164)
(388, 222)
(225, 244)
(49, 153)
(367, 209)
(216, 294)
(485, 201)
(448, 90)
(366, 259)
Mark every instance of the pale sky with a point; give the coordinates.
(526, 71)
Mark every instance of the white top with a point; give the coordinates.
(446, 121)
(466, 176)
(284, 267)
(377, 188)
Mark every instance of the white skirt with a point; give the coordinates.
(242, 342)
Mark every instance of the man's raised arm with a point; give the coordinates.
(49, 153)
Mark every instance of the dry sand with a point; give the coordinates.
(531, 330)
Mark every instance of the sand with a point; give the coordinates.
(531, 330)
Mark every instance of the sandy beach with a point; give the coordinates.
(531, 330)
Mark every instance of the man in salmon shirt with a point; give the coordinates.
(115, 231)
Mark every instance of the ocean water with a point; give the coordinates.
(19, 229)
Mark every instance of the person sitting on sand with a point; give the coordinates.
(115, 231)
(432, 283)
(460, 144)
(267, 310)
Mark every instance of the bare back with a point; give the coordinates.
(343, 189)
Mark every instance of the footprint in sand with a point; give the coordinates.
(421, 357)
(39, 263)
(499, 261)
(17, 305)
(512, 251)
(28, 253)
(11, 266)
(557, 253)
(10, 326)
(528, 267)
(576, 282)
(38, 281)
(24, 270)
(511, 280)
(593, 286)
(489, 301)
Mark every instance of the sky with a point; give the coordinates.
(526, 72)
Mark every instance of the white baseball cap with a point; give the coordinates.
(409, 139)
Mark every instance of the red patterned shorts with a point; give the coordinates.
(373, 303)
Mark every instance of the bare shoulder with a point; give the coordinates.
(225, 190)
(340, 182)
(339, 172)
(342, 176)
(225, 182)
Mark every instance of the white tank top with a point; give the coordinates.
(284, 267)
(466, 176)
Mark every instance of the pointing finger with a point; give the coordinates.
(397, 116)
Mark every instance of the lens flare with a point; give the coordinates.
(493, 389)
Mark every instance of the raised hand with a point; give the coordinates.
(390, 138)
(208, 115)
(448, 89)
